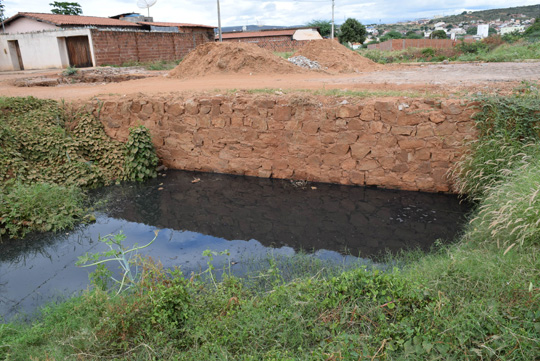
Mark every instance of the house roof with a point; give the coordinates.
(258, 34)
(178, 25)
(72, 20)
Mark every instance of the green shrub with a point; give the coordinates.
(39, 207)
(141, 159)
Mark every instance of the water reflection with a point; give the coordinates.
(218, 212)
(356, 220)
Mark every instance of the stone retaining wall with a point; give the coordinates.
(394, 143)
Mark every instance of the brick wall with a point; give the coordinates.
(274, 43)
(392, 143)
(400, 44)
(118, 47)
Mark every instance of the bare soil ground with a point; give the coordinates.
(443, 79)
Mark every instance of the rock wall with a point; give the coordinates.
(408, 144)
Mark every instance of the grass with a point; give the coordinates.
(152, 65)
(285, 55)
(493, 50)
(39, 207)
(466, 301)
(341, 93)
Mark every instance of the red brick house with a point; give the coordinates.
(41, 41)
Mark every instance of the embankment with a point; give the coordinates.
(402, 143)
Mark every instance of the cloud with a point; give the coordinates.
(275, 12)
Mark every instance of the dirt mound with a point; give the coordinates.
(336, 57)
(229, 57)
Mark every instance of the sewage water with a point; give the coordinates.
(247, 216)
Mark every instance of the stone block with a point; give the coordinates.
(191, 107)
(282, 113)
(368, 113)
(367, 164)
(348, 111)
(339, 149)
(402, 130)
(445, 128)
(359, 151)
(451, 107)
(437, 117)
(175, 109)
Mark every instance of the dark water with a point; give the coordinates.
(247, 216)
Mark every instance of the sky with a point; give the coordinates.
(277, 12)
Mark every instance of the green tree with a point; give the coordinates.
(2, 8)
(391, 35)
(66, 8)
(325, 27)
(438, 34)
(472, 30)
(414, 35)
(352, 31)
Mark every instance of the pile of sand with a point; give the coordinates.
(336, 57)
(229, 58)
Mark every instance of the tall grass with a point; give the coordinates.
(508, 136)
(509, 214)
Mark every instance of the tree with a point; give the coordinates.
(66, 8)
(414, 35)
(472, 30)
(438, 34)
(2, 8)
(352, 31)
(391, 35)
(325, 27)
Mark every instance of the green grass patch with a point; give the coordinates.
(285, 55)
(492, 49)
(150, 65)
(340, 93)
(467, 301)
(39, 207)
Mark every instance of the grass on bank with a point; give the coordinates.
(467, 301)
(50, 153)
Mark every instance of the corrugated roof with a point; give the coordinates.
(179, 25)
(71, 20)
(258, 34)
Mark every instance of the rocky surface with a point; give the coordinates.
(304, 62)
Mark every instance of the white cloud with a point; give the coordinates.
(276, 12)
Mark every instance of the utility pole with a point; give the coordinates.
(332, 35)
(219, 22)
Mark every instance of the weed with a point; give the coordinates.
(141, 159)
(69, 71)
(39, 207)
(119, 253)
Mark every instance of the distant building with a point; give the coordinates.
(511, 29)
(275, 40)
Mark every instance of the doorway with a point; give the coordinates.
(15, 51)
(78, 48)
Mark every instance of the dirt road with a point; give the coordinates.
(439, 78)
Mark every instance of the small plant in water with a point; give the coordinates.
(117, 252)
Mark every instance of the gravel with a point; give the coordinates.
(304, 62)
